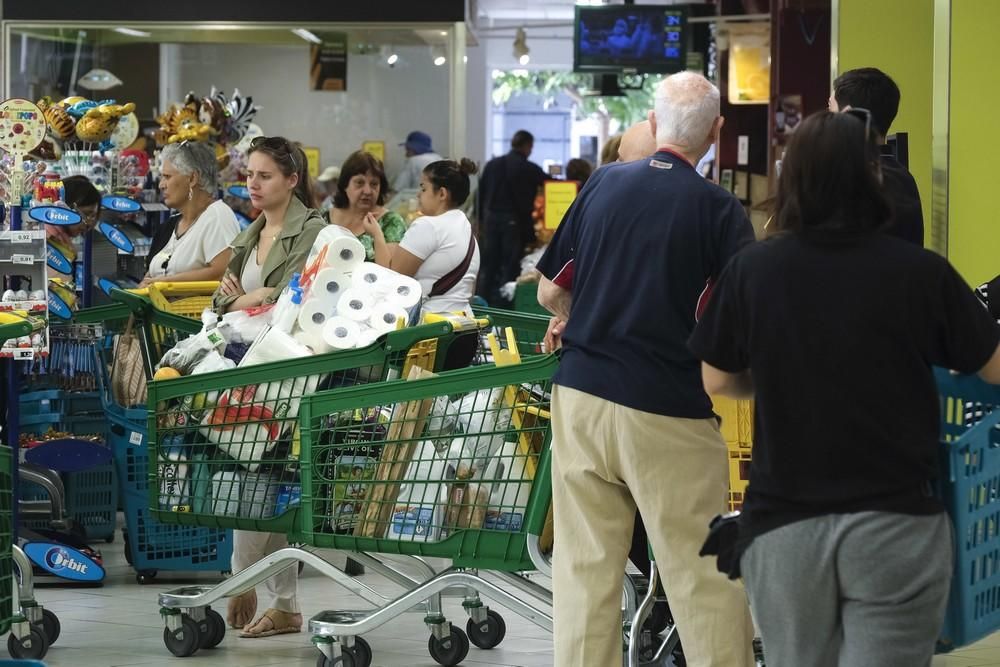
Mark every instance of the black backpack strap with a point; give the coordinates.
(445, 283)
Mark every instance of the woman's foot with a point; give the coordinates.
(242, 609)
(273, 622)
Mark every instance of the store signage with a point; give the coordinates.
(559, 196)
(121, 204)
(239, 191)
(58, 307)
(54, 215)
(116, 237)
(23, 354)
(22, 259)
(328, 63)
(21, 237)
(374, 148)
(57, 261)
(243, 220)
(63, 561)
(107, 285)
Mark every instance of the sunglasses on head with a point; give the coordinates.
(276, 144)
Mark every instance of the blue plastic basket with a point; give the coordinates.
(21, 663)
(91, 501)
(970, 433)
(151, 545)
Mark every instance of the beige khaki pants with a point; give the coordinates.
(607, 460)
(250, 547)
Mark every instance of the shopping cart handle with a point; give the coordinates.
(137, 301)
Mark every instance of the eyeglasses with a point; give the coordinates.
(863, 115)
(276, 144)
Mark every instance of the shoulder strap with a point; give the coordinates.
(445, 283)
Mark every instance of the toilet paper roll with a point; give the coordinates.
(341, 333)
(329, 285)
(345, 254)
(372, 276)
(402, 291)
(314, 315)
(367, 337)
(356, 304)
(387, 317)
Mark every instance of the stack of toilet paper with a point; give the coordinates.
(352, 302)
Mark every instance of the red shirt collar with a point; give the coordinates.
(677, 155)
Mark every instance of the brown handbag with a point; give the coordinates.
(128, 372)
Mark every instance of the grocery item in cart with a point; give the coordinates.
(350, 490)
(248, 421)
(419, 511)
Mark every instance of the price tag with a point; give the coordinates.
(22, 259)
(135, 438)
(24, 354)
(21, 237)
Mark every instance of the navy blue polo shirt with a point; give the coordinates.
(645, 238)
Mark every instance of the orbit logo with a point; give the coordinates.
(120, 204)
(58, 559)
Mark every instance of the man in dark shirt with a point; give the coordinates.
(632, 426)
(507, 193)
(872, 89)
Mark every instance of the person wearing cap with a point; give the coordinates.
(328, 181)
(419, 154)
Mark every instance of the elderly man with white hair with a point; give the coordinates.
(632, 425)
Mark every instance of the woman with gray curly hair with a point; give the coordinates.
(195, 244)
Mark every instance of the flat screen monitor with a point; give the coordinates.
(630, 38)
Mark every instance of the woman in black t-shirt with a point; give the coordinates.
(834, 328)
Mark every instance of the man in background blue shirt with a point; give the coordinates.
(632, 425)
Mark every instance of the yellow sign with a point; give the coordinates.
(312, 157)
(559, 195)
(376, 148)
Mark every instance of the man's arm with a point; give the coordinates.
(718, 382)
(554, 298)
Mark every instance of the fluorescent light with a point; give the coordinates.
(392, 59)
(307, 35)
(440, 60)
(131, 32)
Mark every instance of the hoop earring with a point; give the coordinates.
(190, 192)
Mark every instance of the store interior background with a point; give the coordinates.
(939, 72)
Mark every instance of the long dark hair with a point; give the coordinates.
(290, 159)
(360, 162)
(453, 177)
(830, 179)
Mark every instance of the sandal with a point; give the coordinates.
(277, 622)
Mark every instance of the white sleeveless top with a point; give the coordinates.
(250, 279)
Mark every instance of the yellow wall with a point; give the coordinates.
(973, 225)
(897, 36)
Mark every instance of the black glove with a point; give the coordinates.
(723, 534)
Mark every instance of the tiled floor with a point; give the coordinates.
(119, 625)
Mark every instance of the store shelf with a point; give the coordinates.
(29, 306)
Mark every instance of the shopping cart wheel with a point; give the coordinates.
(455, 651)
(145, 577)
(212, 630)
(346, 659)
(50, 626)
(33, 646)
(185, 640)
(489, 633)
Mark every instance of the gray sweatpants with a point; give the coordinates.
(851, 590)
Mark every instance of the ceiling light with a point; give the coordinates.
(131, 32)
(438, 56)
(392, 59)
(521, 50)
(99, 79)
(307, 35)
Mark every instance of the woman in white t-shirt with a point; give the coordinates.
(440, 249)
(195, 246)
